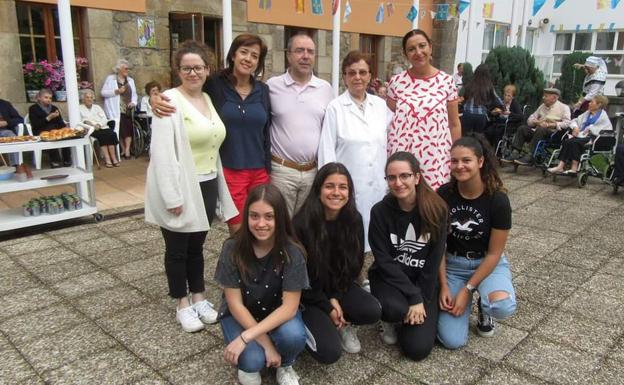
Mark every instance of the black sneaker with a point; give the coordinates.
(524, 161)
(485, 323)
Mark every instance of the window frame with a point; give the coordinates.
(504, 43)
(375, 43)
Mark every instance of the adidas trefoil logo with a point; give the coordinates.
(410, 244)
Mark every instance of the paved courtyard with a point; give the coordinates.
(88, 304)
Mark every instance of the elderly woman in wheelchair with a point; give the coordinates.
(586, 130)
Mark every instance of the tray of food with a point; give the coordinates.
(61, 134)
(18, 139)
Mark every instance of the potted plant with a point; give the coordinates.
(34, 78)
(56, 80)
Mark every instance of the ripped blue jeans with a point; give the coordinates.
(453, 331)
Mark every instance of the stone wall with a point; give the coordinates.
(12, 83)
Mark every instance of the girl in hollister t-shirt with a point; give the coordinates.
(262, 271)
(480, 220)
(407, 234)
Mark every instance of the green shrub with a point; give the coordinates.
(466, 77)
(515, 65)
(570, 83)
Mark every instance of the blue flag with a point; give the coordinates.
(578, 27)
(537, 5)
(552, 28)
(411, 15)
(611, 27)
(614, 3)
(380, 14)
(317, 7)
(589, 27)
(558, 3)
(442, 12)
(463, 4)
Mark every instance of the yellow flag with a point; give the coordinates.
(299, 6)
(602, 4)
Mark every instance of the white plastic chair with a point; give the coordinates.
(90, 130)
(37, 153)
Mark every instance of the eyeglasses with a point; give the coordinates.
(301, 51)
(198, 69)
(353, 73)
(404, 177)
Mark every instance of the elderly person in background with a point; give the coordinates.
(9, 120)
(585, 128)
(44, 116)
(93, 115)
(120, 97)
(550, 116)
(593, 84)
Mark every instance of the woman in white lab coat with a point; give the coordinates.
(354, 134)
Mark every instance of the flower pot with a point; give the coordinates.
(32, 95)
(60, 96)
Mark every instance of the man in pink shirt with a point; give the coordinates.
(298, 103)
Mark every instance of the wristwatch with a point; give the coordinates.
(471, 288)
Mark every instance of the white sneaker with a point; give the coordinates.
(387, 332)
(205, 311)
(349, 339)
(245, 378)
(287, 376)
(189, 320)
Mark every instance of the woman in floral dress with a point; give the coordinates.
(426, 118)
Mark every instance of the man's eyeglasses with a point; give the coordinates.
(404, 177)
(301, 51)
(352, 73)
(198, 69)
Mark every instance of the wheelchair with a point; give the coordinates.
(141, 134)
(503, 147)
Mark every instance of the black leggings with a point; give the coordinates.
(416, 341)
(359, 308)
(184, 252)
(572, 149)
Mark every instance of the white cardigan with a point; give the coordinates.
(111, 100)
(95, 115)
(603, 123)
(172, 179)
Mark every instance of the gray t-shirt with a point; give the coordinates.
(262, 291)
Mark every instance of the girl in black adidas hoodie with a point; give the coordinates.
(407, 235)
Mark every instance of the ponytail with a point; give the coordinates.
(489, 171)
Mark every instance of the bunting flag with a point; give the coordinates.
(264, 4)
(558, 3)
(379, 17)
(537, 5)
(578, 27)
(347, 12)
(602, 4)
(453, 10)
(463, 4)
(389, 8)
(442, 12)
(334, 6)
(422, 14)
(299, 6)
(601, 27)
(433, 14)
(412, 14)
(614, 3)
(612, 27)
(552, 28)
(488, 10)
(317, 7)
(560, 27)
(589, 27)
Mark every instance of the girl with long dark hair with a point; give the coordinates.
(262, 271)
(331, 230)
(480, 100)
(407, 235)
(480, 218)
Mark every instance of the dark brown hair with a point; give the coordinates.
(150, 85)
(489, 173)
(245, 40)
(284, 235)
(414, 32)
(432, 209)
(354, 57)
(191, 46)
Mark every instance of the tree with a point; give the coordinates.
(570, 83)
(515, 65)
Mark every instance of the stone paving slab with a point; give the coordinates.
(88, 304)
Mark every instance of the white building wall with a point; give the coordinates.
(518, 15)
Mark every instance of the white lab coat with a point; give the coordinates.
(358, 141)
(111, 100)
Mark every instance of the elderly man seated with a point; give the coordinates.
(9, 120)
(551, 116)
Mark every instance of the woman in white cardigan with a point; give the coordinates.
(120, 97)
(184, 182)
(93, 115)
(585, 128)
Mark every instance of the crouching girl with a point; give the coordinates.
(262, 270)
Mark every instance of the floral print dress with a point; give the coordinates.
(421, 124)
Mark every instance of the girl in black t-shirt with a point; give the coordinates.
(407, 235)
(480, 220)
(262, 270)
(331, 230)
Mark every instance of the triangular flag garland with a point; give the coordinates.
(558, 3)
(614, 3)
(537, 5)
(347, 12)
(317, 7)
(412, 14)
(379, 17)
(463, 5)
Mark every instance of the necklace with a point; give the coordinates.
(243, 91)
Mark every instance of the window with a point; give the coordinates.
(495, 35)
(607, 45)
(39, 32)
(369, 45)
(530, 38)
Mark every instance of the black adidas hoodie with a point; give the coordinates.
(404, 258)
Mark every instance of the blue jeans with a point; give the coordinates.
(14, 156)
(289, 339)
(453, 331)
